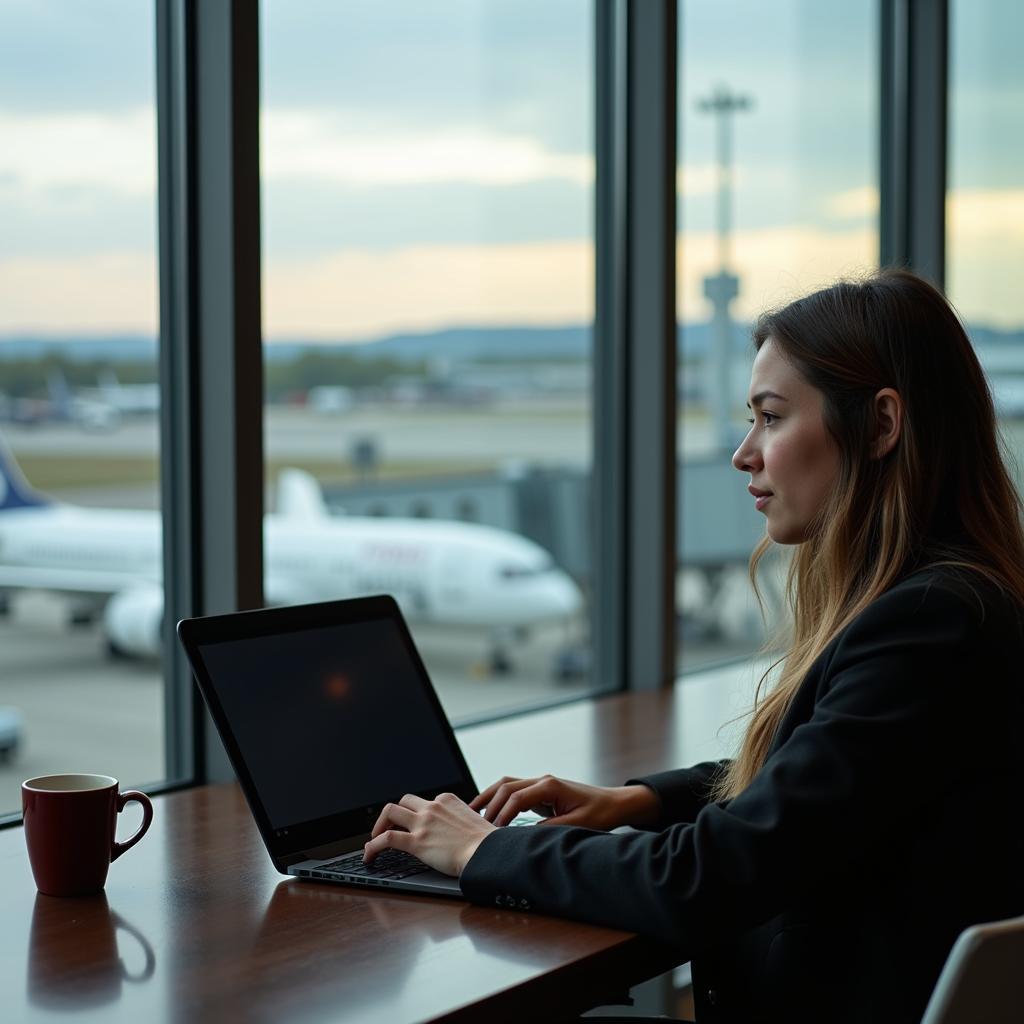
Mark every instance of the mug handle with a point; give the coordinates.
(116, 848)
(147, 972)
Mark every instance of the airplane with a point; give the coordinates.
(88, 411)
(97, 409)
(109, 562)
(103, 407)
(128, 399)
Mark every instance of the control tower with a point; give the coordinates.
(722, 287)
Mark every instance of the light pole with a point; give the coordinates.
(722, 287)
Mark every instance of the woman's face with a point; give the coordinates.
(791, 458)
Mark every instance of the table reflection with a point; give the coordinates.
(74, 960)
(359, 937)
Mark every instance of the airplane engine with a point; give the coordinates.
(133, 621)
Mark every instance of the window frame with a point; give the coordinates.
(211, 349)
(913, 134)
(211, 353)
(634, 471)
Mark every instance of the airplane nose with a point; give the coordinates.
(563, 596)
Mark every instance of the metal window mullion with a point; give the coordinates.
(635, 347)
(913, 128)
(182, 556)
(651, 409)
(212, 423)
(610, 365)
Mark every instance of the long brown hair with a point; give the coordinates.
(942, 496)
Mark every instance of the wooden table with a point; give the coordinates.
(195, 924)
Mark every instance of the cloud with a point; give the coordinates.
(702, 179)
(110, 151)
(991, 214)
(774, 265)
(300, 144)
(853, 203)
(364, 292)
(361, 293)
(112, 292)
(985, 255)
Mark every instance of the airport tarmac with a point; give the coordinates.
(546, 434)
(536, 434)
(84, 712)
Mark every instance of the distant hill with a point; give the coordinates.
(511, 344)
(120, 349)
(465, 344)
(457, 345)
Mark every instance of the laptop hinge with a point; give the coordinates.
(337, 848)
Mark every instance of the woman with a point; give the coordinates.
(874, 809)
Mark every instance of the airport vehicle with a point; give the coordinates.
(10, 733)
(110, 562)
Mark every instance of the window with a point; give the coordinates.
(427, 174)
(777, 195)
(427, 189)
(985, 200)
(81, 600)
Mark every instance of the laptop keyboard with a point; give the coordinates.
(387, 864)
(390, 864)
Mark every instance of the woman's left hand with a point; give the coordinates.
(443, 833)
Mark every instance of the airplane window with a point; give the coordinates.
(512, 572)
(519, 571)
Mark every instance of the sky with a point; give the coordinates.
(429, 163)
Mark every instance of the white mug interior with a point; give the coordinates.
(69, 783)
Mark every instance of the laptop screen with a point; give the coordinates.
(331, 719)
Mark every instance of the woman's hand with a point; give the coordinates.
(568, 803)
(443, 833)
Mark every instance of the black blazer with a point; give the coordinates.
(888, 816)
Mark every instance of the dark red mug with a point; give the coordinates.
(70, 826)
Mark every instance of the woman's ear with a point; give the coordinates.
(888, 421)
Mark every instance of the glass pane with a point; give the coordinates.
(778, 195)
(80, 595)
(985, 202)
(427, 188)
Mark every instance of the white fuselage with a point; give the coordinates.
(457, 573)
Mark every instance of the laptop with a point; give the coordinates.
(327, 714)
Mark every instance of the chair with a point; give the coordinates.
(983, 979)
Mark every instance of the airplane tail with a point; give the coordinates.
(15, 490)
(60, 394)
(299, 496)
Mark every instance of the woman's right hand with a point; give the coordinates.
(562, 802)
